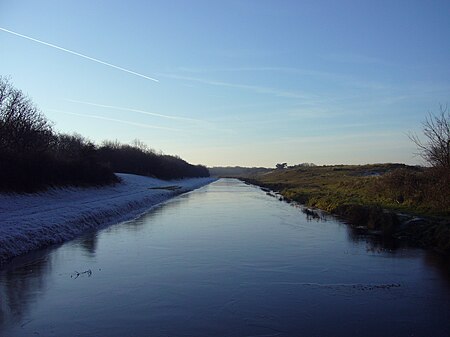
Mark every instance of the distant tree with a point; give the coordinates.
(303, 165)
(111, 144)
(73, 147)
(140, 145)
(140, 159)
(436, 129)
(281, 166)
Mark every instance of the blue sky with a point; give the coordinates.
(249, 83)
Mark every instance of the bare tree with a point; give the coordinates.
(140, 145)
(436, 148)
(23, 127)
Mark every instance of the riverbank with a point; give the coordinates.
(374, 198)
(33, 221)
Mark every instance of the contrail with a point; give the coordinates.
(134, 110)
(78, 54)
(115, 120)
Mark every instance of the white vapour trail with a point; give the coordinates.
(115, 120)
(78, 54)
(134, 110)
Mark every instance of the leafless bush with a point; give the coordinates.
(436, 129)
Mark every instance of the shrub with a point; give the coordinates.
(427, 189)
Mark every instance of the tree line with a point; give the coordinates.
(33, 156)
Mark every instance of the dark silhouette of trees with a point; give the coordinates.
(139, 159)
(23, 128)
(436, 149)
(34, 157)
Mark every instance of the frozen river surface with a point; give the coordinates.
(226, 260)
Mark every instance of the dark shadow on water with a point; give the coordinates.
(374, 242)
(89, 243)
(21, 283)
(440, 263)
(315, 215)
(380, 244)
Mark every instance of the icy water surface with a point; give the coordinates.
(226, 260)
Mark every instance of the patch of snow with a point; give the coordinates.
(32, 221)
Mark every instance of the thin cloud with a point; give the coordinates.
(134, 110)
(353, 58)
(330, 76)
(115, 120)
(388, 138)
(254, 88)
(79, 54)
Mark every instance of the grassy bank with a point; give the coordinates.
(384, 198)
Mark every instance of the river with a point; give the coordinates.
(226, 260)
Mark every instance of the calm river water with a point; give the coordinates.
(226, 260)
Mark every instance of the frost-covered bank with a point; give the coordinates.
(32, 221)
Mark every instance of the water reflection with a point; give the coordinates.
(374, 243)
(88, 243)
(21, 285)
(153, 214)
(380, 244)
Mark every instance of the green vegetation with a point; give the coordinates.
(34, 157)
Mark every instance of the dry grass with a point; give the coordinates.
(390, 186)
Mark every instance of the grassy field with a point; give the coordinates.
(394, 187)
(371, 196)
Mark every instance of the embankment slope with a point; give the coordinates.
(32, 221)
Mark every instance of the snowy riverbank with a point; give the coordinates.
(33, 221)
